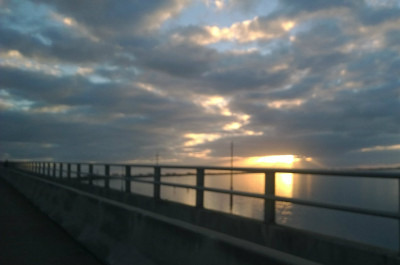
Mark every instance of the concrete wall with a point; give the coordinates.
(117, 226)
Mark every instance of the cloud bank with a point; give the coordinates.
(122, 81)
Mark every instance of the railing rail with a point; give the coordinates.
(65, 170)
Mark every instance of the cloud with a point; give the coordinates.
(62, 46)
(179, 59)
(108, 81)
(378, 13)
(129, 17)
(242, 32)
(296, 7)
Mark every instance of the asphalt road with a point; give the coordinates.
(27, 236)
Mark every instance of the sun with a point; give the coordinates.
(271, 161)
(281, 159)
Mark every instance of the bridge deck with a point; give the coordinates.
(27, 236)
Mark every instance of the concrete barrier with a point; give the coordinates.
(117, 226)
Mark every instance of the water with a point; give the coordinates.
(366, 193)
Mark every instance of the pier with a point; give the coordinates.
(119, 226)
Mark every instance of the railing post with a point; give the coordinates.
(48, 169)
(107, 175)
(269, 205)
(69, 170)
(128, 179)
(200, 186)
(157, 180)
(90, 174)
(61, 170)
(54, 169)
(78, 171)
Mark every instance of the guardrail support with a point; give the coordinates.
(269, 205)
(157, 186)
(48, 169)
(61, 170)
(78, 171)
(200, 184)
(107, 175)
(69, 170)
(90, 177)
(128, 179)
(54, 170)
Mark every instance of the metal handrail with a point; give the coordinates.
(242, 170)
(326, 172)
(51, 169)
(386, 214)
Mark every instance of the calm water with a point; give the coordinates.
(368, 193)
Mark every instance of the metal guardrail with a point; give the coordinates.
(64, 170)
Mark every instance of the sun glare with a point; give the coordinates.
(271, 161)
(288, 25)
(286, 178)
(281, 159)
(68, 21)
(284, 184)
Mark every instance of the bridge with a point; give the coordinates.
(122, 214)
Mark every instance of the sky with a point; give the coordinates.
(300, 83)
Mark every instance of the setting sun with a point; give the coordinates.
(277, 160)
(285, 159)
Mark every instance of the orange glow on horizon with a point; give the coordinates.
(284, 184)
(271, 161)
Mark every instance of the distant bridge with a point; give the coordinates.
(113, 224)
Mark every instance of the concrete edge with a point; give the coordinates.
(230, 240)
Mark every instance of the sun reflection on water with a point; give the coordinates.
(284, 184)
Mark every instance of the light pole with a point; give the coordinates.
(231, 197)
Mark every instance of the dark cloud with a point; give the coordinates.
(324, 129)
(40, 87)
(179, 59)
(246, 6)
(62, 46)
(108, 19)
(393, 38)
(245, 78)
(294, 7)
(374, 16)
